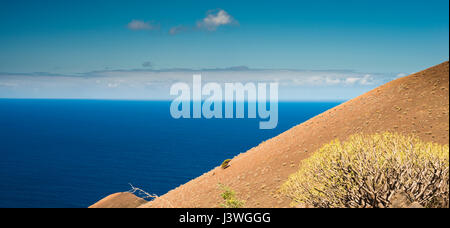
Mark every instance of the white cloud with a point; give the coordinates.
(365, 80)
(352, 80)
(332, 81)
(8, 84)
(215, 19)
(113, 85)
(137, 25)
(155, 84)
(178, 29)
(401, 75)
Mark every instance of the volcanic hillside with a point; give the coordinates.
(417, 104)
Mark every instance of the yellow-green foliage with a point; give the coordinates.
(367, 171)
(225, 164)
(229, 196)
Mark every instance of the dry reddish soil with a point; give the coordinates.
(417, 104)
(119, 200)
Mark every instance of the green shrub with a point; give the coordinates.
(229, 196)
(225, 164)
(368, 171)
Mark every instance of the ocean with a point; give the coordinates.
(72, 153)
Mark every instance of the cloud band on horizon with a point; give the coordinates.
(151, 84)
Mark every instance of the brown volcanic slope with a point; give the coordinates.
(417, 104)
(120, 200)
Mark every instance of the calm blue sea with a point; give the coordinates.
(71, 153)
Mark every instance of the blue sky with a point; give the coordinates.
(80, 37)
